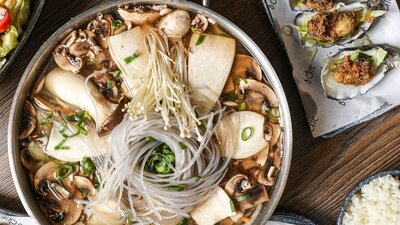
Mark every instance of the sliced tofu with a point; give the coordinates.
(124, 45)
(216, 208)
(252, 124)
(90, 145)
(208, 69)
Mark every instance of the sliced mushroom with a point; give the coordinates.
(28, 161)
(108, 86)
(66, 212)
(44, 102)
(264, 176)
(73, 89)
(102, 27)
(115, 118)
(258, 195)
(68, 63)
(253, 85)
(254, 101)
(71, 53)
(176, 24)
(200, 23)
(273, 131)
(249, 164)
(28, 122)
(237, 184)
(244, 66)
(162, 9)
(277, 149)
(46, 184)
(262, 156)
(36, 149)
(139, 15)
(85, 185)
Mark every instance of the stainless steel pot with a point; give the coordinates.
(39, 61)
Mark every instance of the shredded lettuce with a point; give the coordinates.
(354, 55)
(9, 40)
(378, 57)
(19, 12)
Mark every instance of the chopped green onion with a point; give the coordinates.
(274, 112)
(233, 209)
(244, 80)
(162, 167)
(184, 221)
(230, 96)
(87, 115)
(176, 187)
(129, 59)
(109, 83)
(64, 171)
(150, 138)
(182, 145)
(88, 165)
(117, 74)
(242, 106)
(196, 178)
(193, 29)
(117, 24)
(200, 40)
(47, 119)
(247, 133)
(243, 197)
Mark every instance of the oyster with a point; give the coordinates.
(340, 25)
(353, 71)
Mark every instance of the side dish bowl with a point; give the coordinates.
(358, 187)
(36, 8)
(43, 55)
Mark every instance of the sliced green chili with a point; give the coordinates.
(242, 106)
(117, 24)
(117, 74)
(109, 83)
(64, 171)
(129, 59)
(182, 145)
(184, 221)
(274, 112)
(233, 209)
(196, 178)
(243, 197)
(176, 187)
(200, 39)
(88, 165)
(247, 133)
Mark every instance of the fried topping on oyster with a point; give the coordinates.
(330, 26)
(356, 72)
(318, 5)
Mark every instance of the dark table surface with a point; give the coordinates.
(322, 171)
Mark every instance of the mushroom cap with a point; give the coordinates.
(257, 86)
(237, 184)
(66, 212)
(139, 15)
(28, 123)
(258, 195)
(200, 23)
(175, 24)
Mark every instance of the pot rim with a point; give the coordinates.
(38, 62)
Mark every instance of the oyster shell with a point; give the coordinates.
(382, 62)
(367, 15)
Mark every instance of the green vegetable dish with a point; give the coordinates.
(13, 16)
(151, 115)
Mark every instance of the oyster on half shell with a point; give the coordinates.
(340, 25)
(353, 71)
